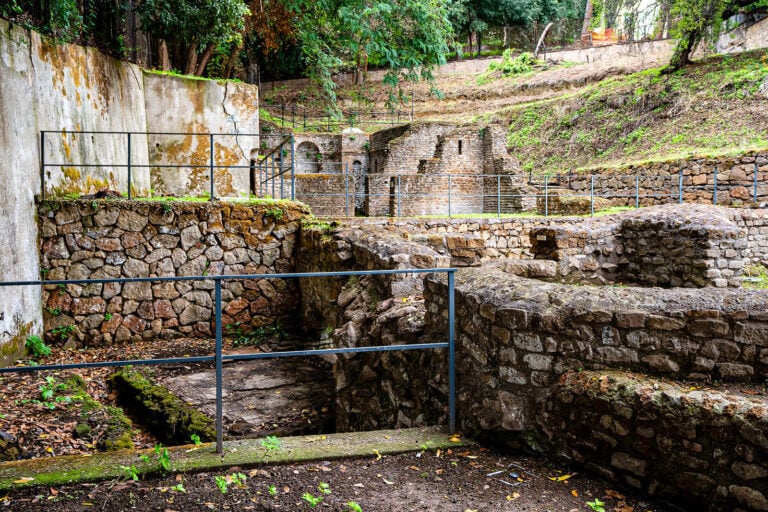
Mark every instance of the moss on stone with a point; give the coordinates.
(168, 417)
(112, 425)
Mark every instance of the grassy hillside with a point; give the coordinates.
(717, 106)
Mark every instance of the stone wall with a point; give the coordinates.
(721, 242)
(373, 390)
(328, 195)
(123, 239)
(441, 170)
(702, 449)
(659, 182)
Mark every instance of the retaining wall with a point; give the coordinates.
(121, 239)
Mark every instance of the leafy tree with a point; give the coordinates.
(407, 37)
(190, 30)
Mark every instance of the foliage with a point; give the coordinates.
(192, 30)
(63, 332)
(597, 505)
(37, 347)
(224, 481)
(511, 66)
(245, 336)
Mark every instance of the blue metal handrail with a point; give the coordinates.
(219, 357)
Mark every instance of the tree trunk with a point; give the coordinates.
(586, 36)
(162, 56)
(231, 61)
(469, 42)
(479, 43)
(191, 59)
(204, 60)
(682, 54)
(507, 37)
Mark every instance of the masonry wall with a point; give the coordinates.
(659, 182)
(124, 239)
(328, 195)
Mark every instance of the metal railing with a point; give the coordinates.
(61, 145)
(398, 195)
(219, 357)
(298, 117)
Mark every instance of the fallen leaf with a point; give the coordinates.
(414, 468)
(377, 454)
(614, 494)
(455, 438)
(388, 482)
(23, 480)
(575, 493)
(561, 478)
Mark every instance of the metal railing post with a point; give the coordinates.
(42, 165)
(210, 144)
(546, 196)
(498, 195)
(451, 356)
(129, 165)
(449, 195)
(272, 174)
(754, 185)
(592, 195)
(293, 168)
(680, 187)
(637, 191)
(714, 195)
(219, 371)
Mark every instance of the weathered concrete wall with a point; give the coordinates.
(48, 87)
(188, 106)
(121, 239)
(67, 88)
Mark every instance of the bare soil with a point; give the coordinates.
(475, 479)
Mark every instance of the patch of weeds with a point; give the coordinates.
(224, 481)
(52, 311)
(195, 439)
(36, 347)
(597, 505)
(353, 506)
(63, 332)
(275, 214)
(272, 490)
(243, 336)
(755, 277)
(131, 472)
(271, 444)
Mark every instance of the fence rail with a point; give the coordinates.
(219, 357)
(58, 147)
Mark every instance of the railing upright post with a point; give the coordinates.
(680, 187)
(637, 191)
(498, 195)
(714, 194)
(451, 356)
(546, 196)
(754, 185)
(592, 195)
(272, 175)
(219, 371)
(210, 145)
(411, 104)
(129, 165)
(280, 172)
(42, 165)
(293, 169)
(449, 195)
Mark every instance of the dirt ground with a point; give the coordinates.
(476, 479)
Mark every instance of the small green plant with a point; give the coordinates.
(353, 506)
(53, 311)
(274, 213)
(597, 505)
(48, 390)
(163, 458)
(37, 347)
(271, 444)
(44, 272)
(131, 473)
(195, 439)
(107, 317)
(178, 488)
(312, 499)
(63, 332)
(224, 481)
(272, 490)
(62, 287)
(324, 488)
